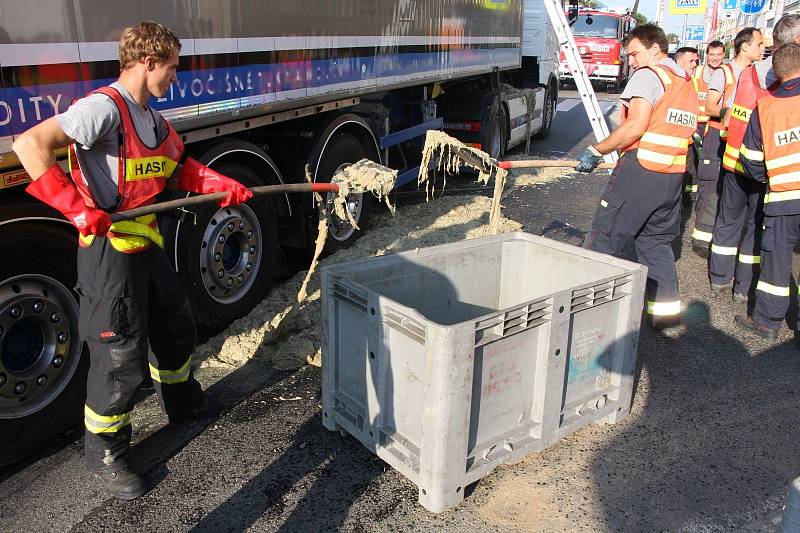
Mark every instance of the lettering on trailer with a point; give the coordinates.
(681, 118)
(208, 91)
(785, 137)
(14, 178)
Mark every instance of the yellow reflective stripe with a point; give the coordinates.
(87, 241)
(664, 159)
(663, 308)
(171, 377)
(733, 163)
(740, 113)
(772, 289)
(690, 188)
(787, 177)
(779, 162)
(665, 79)
(665, 140)
(781, 196)
(701, 235)
(752, 155)
(731, 151)
(137, 233)
(143, 168)
(750, 259)
(724, 250)
(96, 423)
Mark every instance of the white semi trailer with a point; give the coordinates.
(264, 88)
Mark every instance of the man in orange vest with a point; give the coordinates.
(123, 153)
(687, 58)
(709, 81)
(749, 47)
(641, 203)
(771, 153)
(735, 245)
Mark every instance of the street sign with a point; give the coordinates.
(694, 33)
(752, 7)
(729, 4)
(687, 7)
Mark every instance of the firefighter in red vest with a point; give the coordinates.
(735, 246)
(770, 153)
(749, 47)
(122, 154)
(642, 201)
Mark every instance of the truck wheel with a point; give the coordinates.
(227, 260)
(345, 149)
(549, 111)
(495, 138)
(42, 366)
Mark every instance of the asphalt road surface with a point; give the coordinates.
(710, 444)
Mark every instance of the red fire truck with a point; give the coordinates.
(599, 35)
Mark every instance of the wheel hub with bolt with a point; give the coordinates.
(38, 322)
(231, 253)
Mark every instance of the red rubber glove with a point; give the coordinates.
(58, 191)
(196, 177)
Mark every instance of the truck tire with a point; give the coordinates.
(43, 366)
(494, 140)
(344, 149)
(227, 260)
(549, 111)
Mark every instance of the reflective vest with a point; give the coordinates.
(663, 146)
(730, 88)
(780, 131)
(701, 87)
(142, 174)
(748, 92)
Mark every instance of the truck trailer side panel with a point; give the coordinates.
(248, 57)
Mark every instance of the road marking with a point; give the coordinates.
(569, 103)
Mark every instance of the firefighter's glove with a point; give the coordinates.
(58, 191)
(196, 177)
(589, 160)
(698, 140)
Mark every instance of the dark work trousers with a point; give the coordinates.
(737, 233)
(708, 183)
(772, 290)
(643, 207)
(127, 300)
(690, 177)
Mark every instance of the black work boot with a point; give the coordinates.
(747, 323)
(702, 251)
(739, 298)
(718, 290)
(123, 483)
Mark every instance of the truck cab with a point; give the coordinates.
(599, 36)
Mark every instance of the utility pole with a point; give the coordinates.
(659, 11)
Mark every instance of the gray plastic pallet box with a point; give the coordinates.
(451, 360)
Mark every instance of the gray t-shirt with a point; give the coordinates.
(646, 84)
(93, 122)
(715, 78)
(737, 71)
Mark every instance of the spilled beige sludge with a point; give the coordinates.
(266, 333)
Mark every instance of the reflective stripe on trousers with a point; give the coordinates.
(773, 290)
(737, 232)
